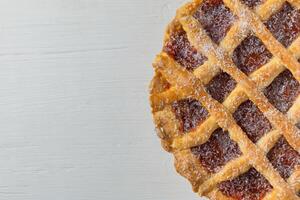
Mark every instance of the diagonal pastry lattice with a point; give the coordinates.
(225, 97)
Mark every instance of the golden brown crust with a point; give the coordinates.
(171, 82)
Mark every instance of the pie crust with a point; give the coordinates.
(225, 97)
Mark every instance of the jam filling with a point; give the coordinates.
(249, 186)
(251, 54)
(252, 121)
(285, 24)
(298, 125)
(284, 158)
(221, 86)
(252, 3)
(217, 151)
(283, 91)
(190, 113)
(215, 18)
(180, 49)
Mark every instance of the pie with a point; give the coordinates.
(225, 97)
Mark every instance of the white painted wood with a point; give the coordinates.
(75, 119)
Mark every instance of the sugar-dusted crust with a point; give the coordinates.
(173, 82)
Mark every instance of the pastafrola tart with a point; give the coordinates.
(225, 97)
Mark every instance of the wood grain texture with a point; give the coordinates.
(75, 120)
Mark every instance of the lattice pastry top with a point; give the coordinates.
(225, 97)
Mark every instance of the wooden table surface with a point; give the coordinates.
(75, 119)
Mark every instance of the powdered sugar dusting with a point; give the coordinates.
(249, 56)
